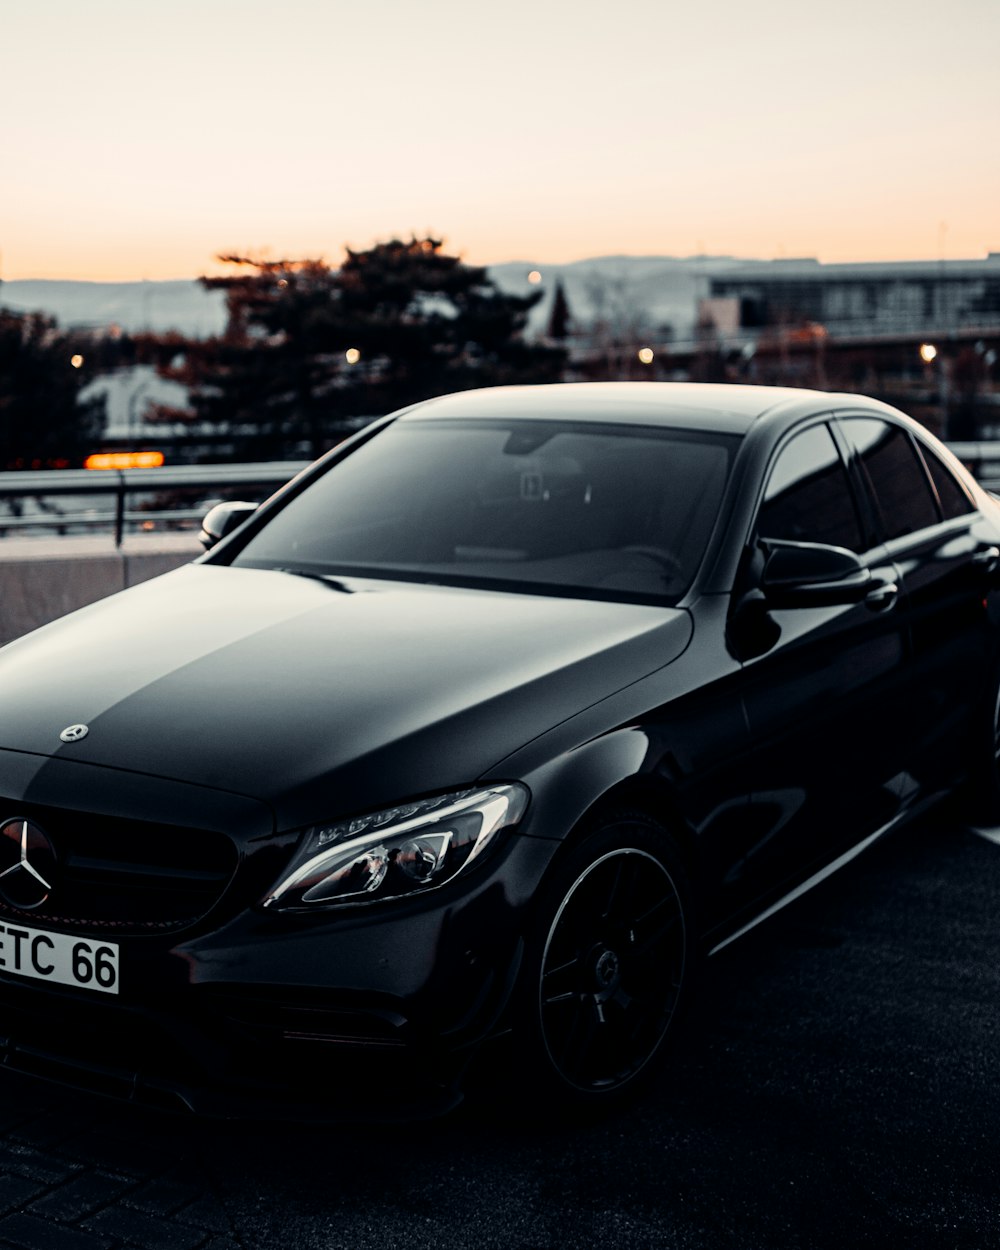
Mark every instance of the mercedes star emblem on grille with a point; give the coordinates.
(73, 733)
(27, 861)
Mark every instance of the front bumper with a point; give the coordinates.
(369, 1013)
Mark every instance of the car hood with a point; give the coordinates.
(319, 697)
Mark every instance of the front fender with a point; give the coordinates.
(566, 788)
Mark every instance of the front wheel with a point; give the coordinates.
(608, 961)
(982, 806)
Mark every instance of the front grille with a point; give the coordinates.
(125, 877)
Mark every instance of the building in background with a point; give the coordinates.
(901, 297)
(921, 334)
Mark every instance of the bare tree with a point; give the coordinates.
(620, 322)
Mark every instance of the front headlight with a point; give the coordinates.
(398, 852)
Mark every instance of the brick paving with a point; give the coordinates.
(79, 1174)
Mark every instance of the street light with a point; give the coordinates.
(76, 361)
(646, 355)
(929, 355)
(352, 355)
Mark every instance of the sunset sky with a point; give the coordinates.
(141, 140)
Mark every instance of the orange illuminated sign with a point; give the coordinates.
(124, 460)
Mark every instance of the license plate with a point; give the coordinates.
(59, 957)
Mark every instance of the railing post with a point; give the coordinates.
(120, 510)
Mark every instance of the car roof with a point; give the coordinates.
(691, 405)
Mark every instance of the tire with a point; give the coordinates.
(982, 794)
(608, 964)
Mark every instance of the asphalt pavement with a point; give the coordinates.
(836, 1086)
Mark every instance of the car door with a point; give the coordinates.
(823, 693)
(945, 558)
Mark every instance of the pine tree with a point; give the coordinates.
(43, 422)
(269, 378)
(560, 321)
(427, 323)
(307, 347)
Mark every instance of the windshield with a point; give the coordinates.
(602, 511)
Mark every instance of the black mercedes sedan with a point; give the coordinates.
(461, 751)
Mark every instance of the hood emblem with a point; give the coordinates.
(74, 733)
(27, 860)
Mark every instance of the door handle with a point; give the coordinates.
(987, 558)
(882, 596)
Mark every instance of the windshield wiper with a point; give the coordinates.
(333, 582)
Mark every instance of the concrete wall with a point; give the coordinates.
(44, 578)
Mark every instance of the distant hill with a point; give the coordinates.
(655, 291)
(135, 306)
(652, 292)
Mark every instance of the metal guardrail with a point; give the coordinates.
(983, 459)
(122, 483)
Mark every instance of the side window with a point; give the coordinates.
(808, 497)
(895, 473)
(951, 493)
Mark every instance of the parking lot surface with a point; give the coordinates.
(836, 1085)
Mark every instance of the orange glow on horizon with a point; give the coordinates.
(188, 268)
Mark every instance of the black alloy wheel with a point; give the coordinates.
(982, 793)
(996, 736)
(609, 962)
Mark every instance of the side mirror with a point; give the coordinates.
(221, 520)
(812, 575)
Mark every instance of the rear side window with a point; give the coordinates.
(808, 497)
(895, 473)
(951, 494)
